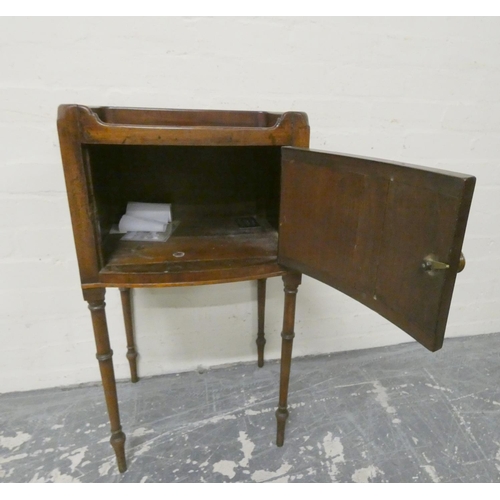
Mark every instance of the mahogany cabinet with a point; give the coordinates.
(251, 202)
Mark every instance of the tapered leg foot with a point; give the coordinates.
(95, 299)
(118, 443)
(281, 416)
(261, 303)
(125, 294)
(292, 282)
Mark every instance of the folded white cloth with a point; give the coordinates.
(133, 223)
(152, 211)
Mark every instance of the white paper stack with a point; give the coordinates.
(151, 211)
(146, 217)
(131, 223)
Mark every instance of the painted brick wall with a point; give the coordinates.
(418, 90)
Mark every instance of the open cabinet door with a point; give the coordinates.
(388, 235)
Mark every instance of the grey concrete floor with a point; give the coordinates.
(394, 414)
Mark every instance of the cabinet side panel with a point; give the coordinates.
(78, 197)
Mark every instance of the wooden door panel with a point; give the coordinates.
(365, 227)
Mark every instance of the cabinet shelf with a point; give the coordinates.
(198, 249)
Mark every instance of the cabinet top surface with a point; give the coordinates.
(116, 125)
(155, 117)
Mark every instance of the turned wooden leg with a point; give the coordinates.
(261, 305)
(292, 282)
(95, 299)
(126, 297)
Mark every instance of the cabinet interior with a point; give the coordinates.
(216, 193)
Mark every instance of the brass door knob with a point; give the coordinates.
(461, 263)
(431, 264)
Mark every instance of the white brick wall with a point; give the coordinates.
(418, 90)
